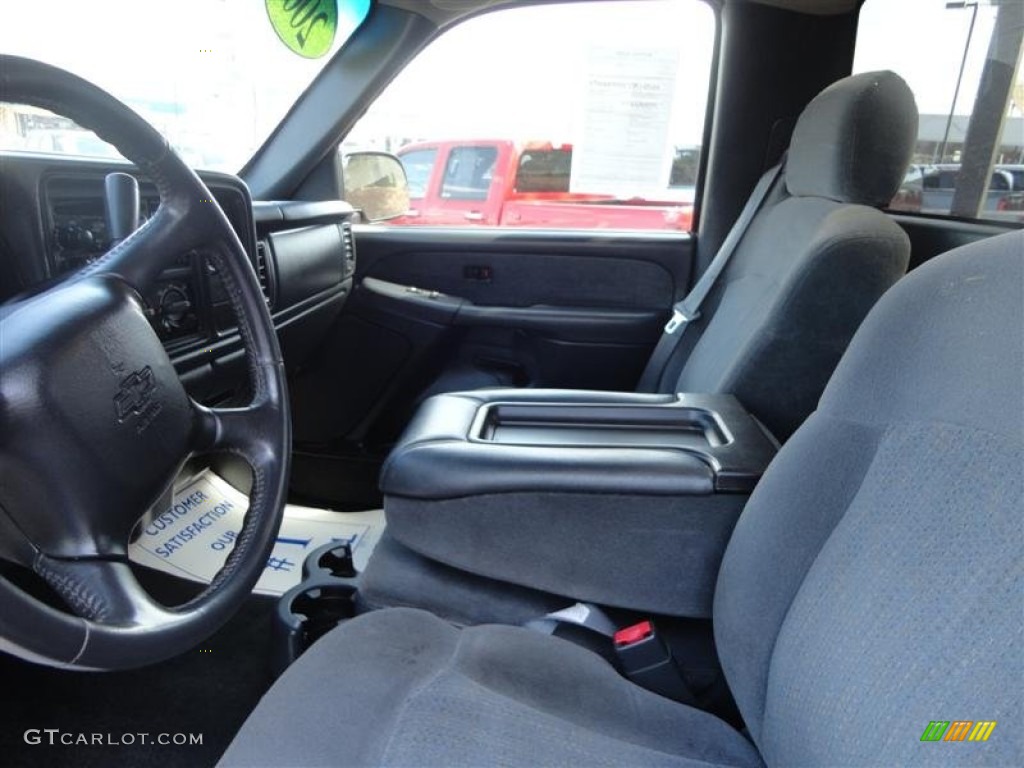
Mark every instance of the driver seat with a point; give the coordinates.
(872, 585)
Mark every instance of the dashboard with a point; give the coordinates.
(189, 299)
(53, 221)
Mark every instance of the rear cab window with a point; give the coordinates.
(544, 170)
(587, 115)
(962, 59)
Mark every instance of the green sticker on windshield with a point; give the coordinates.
(307, 27)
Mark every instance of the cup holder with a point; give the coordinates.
(325, 598)
(306, 613)
(332, 560)
(323, 608)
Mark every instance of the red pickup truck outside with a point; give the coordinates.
(500, 183)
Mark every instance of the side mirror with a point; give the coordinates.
(375, 183)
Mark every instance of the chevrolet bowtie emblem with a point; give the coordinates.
(135, 394)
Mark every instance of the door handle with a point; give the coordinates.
(474, 216)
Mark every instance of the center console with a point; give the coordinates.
(621, 499)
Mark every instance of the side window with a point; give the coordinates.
(578, 115)
(1001, 182)
(964, 64)
(419, 165)
(469, 172)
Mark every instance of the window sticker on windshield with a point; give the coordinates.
(309, 27)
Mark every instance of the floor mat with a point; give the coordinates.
(193, 537)
(208, 691)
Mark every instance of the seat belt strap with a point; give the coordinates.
(687, 310)
(579, 615)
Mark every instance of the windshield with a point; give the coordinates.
(214, 76)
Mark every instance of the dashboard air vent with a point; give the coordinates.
(263, 271)
(349, 244)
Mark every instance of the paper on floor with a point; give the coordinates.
(194, 536)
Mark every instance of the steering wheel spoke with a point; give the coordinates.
(103, 591)
(140, 258)
(241, 431)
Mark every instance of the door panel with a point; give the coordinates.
(452, 309)
(498, 270)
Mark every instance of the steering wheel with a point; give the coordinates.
(95, 424)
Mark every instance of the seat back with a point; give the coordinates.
(874, 584)
(815, 259)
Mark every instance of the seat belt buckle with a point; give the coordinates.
(646, 660)
(678, 318)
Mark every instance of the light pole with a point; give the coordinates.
(973, 5)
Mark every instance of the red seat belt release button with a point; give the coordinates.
(633, 634)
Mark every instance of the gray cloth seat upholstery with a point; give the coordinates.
(814, 260)
(872, 584)
(401, 687)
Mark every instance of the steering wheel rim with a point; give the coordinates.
(89, 334)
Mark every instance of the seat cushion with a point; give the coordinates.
(401, 687)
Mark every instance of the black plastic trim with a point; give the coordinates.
(269, 212)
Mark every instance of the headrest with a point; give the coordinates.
(854, 141)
